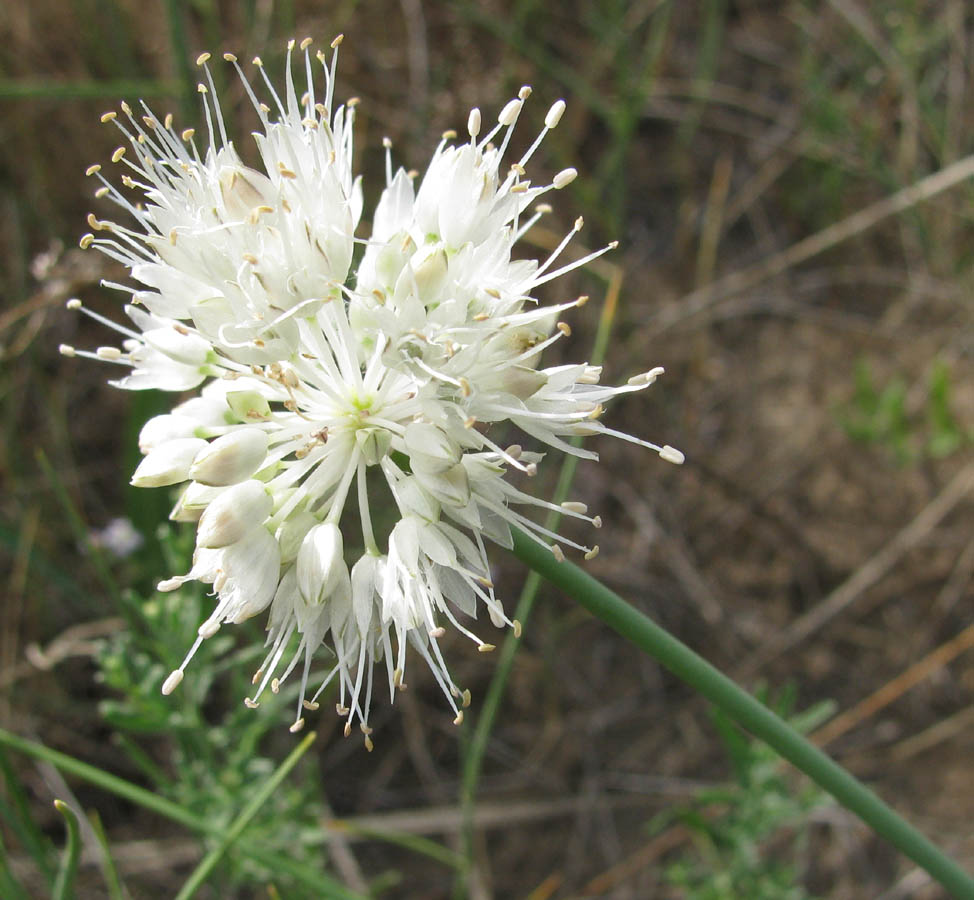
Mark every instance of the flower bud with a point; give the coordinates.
(320, 562)
(374, 444)
(233, 513)
(248, 406)
(231, 458)
(429, 449)
(168, 463)
(186, 348)
(162, 429)
(290, 534)
(451, 488)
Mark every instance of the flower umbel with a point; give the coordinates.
(329, 398)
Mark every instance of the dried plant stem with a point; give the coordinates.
(748, 712)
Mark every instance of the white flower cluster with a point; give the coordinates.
(320, 381)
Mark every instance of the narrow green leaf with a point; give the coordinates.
(68, 871)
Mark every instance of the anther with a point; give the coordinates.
(557, 553)
(110, 116)
(517, 628)
(591, 554)
(565, 328)
(486, 648)
(250, 704)
(543, 208)
(109, 353)
(564, 178)
(369, 746)
(612, 245)
(172, 682)
(307, 42)
(86, 241)
(449, 134)
(187, 134)
(464, 386)
(103, 191)
(229, 57)
(342, 710)
(201, 88)
(459, 719)
(91, 170)
(465, 702)
(525, 92)
(118, 154)
(202, 58)
(66, 350)
(297, 726)
(275, 685)
(73, 303)
(469, 422)
(531, 469)
(554, 114)
(597, 522)
(257, 61)
(672, 455)
(348, 729)
(337, 41)
(509, 113)
(581, 301)
(167, 122)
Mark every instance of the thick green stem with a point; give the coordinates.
(746, 711)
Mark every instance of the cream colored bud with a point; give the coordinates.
(320, 562)
(168, 463)
(231, 458)
(234, 512)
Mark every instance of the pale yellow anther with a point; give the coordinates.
(187, 134)
(202, 88)
(202, 58)
(118, 154)
(565, 328)
(338, 39)
(591, 554)
(597, 412)
(275, 685)
(517, 628)
(597, 522)
(73, 303)
(465, 702)
(249, 257)
(172, 236)
(297, 726)
(110, 116)
(86, 241)
(285, 171)
(320, 56)
(307, 42)
(437, 632)
(91, 170)
(459, 719)
(543, 208)
(464, 387)
(519, 189)
(557, 553)
(347, 730)
(93, 223)
(257, 61)
(581, 301)
(126, 108)
(612, 245)
(341, 710)
(525, 91)
(449, 134)
(290, 44)
(257, 676)
(486, 648)
(167, 122)
(66, 350)
(229, 57)
(369, 746)
(250, 704)
(149, 122)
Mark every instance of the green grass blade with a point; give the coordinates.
(112, 880)
(68, 871)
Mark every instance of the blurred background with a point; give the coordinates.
(790, 186)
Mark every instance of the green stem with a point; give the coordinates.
(638, 629)
(64, 887)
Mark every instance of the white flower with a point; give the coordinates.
(318, 383)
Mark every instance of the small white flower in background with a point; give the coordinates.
(119, 537)
(320, 383)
